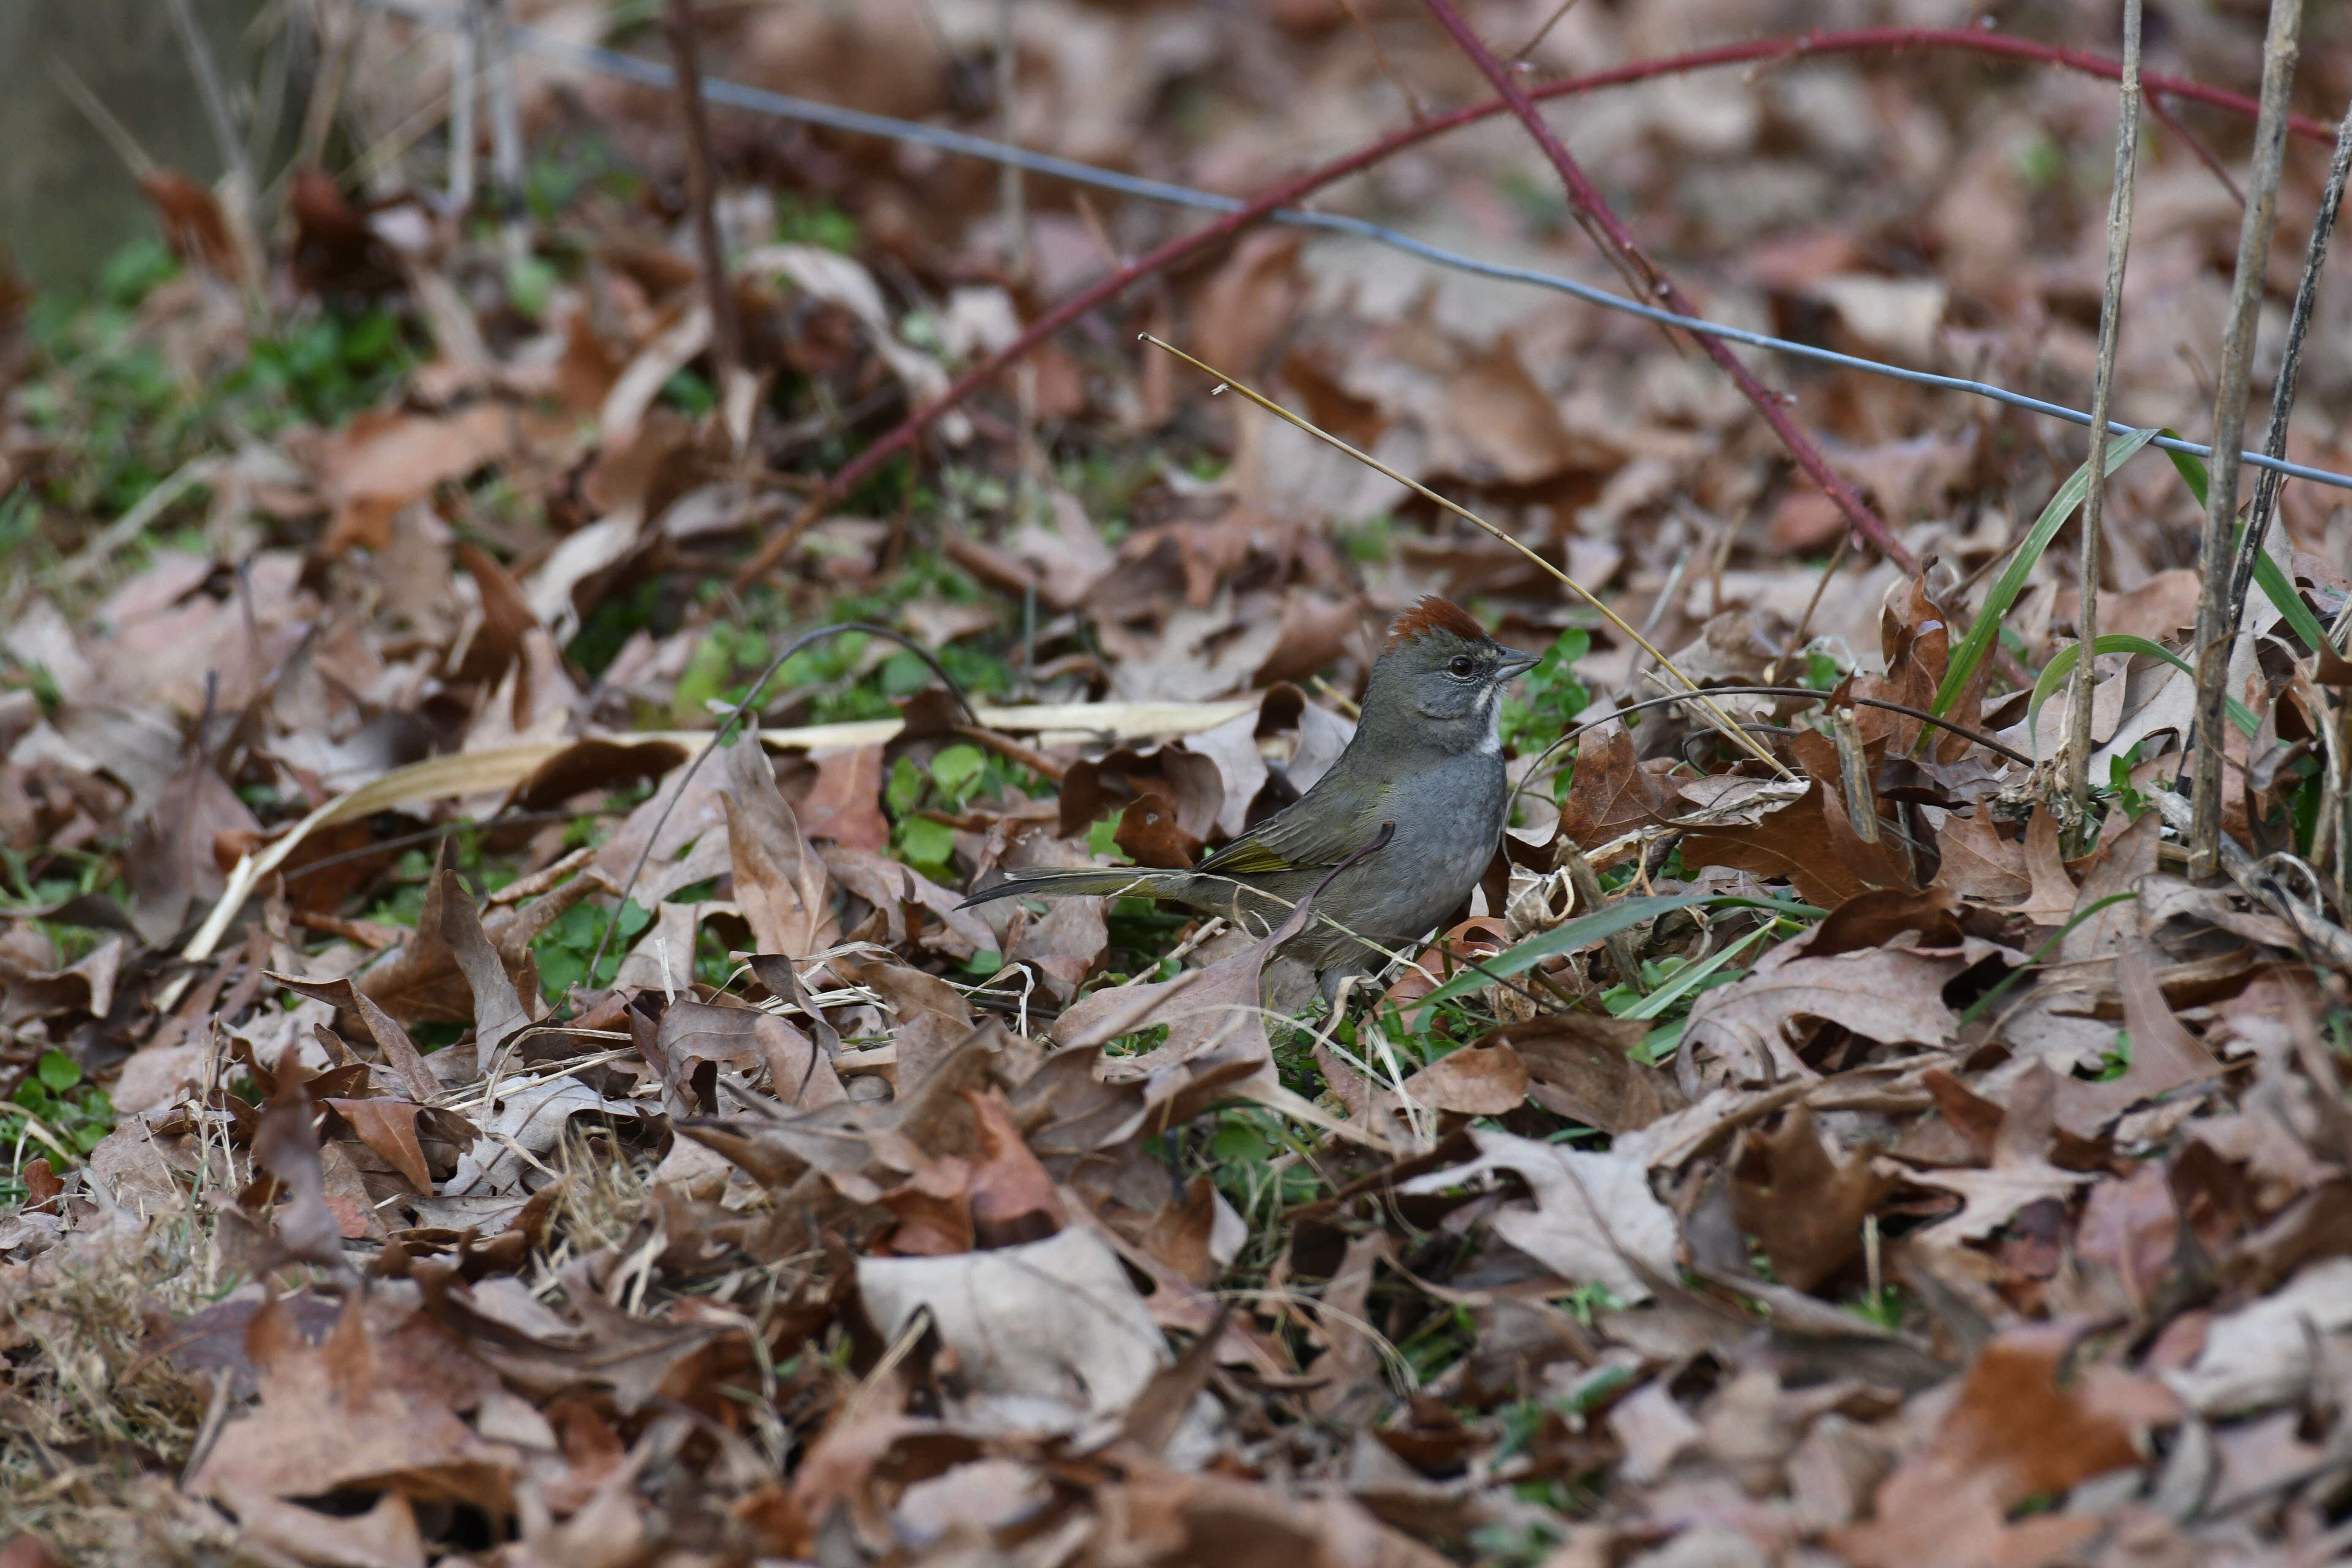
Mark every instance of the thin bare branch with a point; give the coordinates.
(1593, 212)
(702, 194)
(2267, 482)
(2075, 755)
(2214, 639)
(1413, 106)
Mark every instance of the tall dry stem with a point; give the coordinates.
(2280, 44)
(2076, 755)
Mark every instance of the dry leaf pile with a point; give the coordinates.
(475, 1102)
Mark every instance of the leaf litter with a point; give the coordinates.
(449, 1123)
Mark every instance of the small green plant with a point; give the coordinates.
(564, 948)
(1883, 1305)
(1546, 701)
(74, 1113)
(958, 776)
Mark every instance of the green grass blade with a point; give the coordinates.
(1978, 646)
(1689, 979)
(1583, 931)
(2056, 673)
(2268, 574)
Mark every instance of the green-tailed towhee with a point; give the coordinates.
(1427, 757)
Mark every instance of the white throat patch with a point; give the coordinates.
(1490, 744)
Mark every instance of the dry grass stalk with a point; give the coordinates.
(2214, 641)
(1699, 699)
(2076, 752)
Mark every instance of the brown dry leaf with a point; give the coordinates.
(1065, 945)
(389, 1127)
(780, 884)
(1512, 425)
(892, 886)
(1809, 842)
(386, 1536)
(1578, 1066)
(2262, 1353)
(194, 223)
(2126, 854)
(1216, 1042)
(694, 1033)
(1484, 1079)
(1612, 793)
(2158, 609)
(2015, 1433)
(2164, 1055)
(448, 971)
(1979, 864)
(1159, 1517)
(38, 990)
(846, 804)
(1594, 1217)
(1012, 1198)
(2054, 894)
(2020, 1173)
(400, 1053)
(286, 1146)
(1889, 994)
(1242, 307)
(357, 1411)
(384, 459)
(1804, 1203)
(170, 862)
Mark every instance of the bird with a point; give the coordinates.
(1424, 767)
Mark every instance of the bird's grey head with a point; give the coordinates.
(1441, 678)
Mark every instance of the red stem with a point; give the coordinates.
(1592, 207)
(1862, 40)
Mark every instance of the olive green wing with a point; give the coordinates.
(1314, 833)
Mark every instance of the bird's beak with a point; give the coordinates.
(1516, 664)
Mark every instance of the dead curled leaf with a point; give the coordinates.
(1889, 994)
(1047, 1333)
(1594, 1218)
(358, 1410)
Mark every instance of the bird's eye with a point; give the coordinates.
(1465, 667)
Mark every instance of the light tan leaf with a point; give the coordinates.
(1594, 1217)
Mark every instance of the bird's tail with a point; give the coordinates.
(1137, 881)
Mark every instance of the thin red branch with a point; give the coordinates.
(1861, 40)
(1594, 211)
